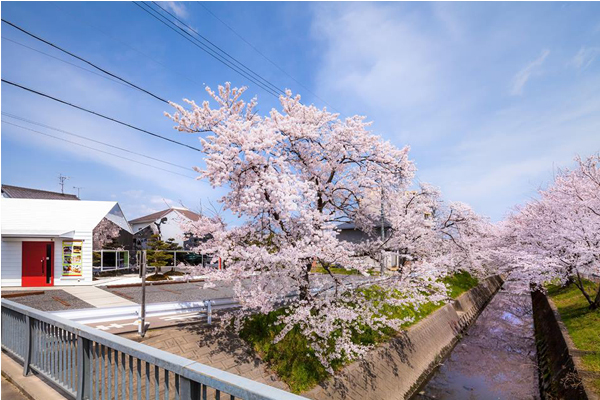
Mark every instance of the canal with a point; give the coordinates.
(496, 358)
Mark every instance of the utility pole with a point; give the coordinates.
(143, 327)
(78, 189)
(62, 179)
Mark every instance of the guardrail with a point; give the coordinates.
(86, 363)
(107, 314)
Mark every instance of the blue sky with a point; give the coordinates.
(490, 96)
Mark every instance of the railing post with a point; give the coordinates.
(28, 343)
(208, 312)
(84, 381)
(188, 390)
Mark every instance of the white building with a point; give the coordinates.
(169, 223)
(49, 242)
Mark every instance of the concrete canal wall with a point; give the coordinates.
(397, 368)
(561, 369)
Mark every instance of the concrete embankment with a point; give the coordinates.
(396, 369)
(559, 360)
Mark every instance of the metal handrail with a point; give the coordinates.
(53, 338)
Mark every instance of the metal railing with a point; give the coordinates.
(121, 260)
(86, 363)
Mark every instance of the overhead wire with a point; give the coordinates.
(100, 115)
(84, 60)
(69, 63)
(98, 150)
(94, 140)
(199, 4)
(78, 20)
(186, 35)
(219, 49)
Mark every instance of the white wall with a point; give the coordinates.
(139, 227)
(172, 228)
(12, 260)
(11, 263)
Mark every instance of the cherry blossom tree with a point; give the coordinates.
(292, 177)
(105, 235)
(558, 235)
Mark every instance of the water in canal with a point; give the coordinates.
(496, 358)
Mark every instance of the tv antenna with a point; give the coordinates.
(62, 180)
(78, 189)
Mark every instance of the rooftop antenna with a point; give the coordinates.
(62, 180)
(78, 189)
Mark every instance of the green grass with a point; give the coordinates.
(334, 270)
(582, 323)
(460, 282)
(295, 362)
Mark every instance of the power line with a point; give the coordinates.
(83, 60)
(116, 39)
(98, 150)
(93, 140)
(187, 36)
(274, 87)
(261, 53)
(101, 115)
(202, 46)
(70, 63)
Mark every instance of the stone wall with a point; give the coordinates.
(558, 359)
(397, 368)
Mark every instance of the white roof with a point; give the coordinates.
(56, 218)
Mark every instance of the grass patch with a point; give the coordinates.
(460, 282)
(295, 362)
(582, 323)
(334, 270)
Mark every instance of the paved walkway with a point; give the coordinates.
(203, 344)
(31, 384)
(97, 297)
(10, 391)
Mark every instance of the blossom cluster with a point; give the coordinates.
(292, 177)
(557, 236)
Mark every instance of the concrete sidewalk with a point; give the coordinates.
(97, 297)
(31, 386)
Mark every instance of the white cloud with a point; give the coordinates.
(178, 8)
(161, 201)
(441, 87)
(523, 75)
(136, 194)
(585, 57)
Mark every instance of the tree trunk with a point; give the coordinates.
(305, 284)
(596, 304)
(580, 285)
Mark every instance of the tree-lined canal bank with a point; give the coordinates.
(496, 359)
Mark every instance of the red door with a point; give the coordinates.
(38, 268)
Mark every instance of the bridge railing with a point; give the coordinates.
(86, 363)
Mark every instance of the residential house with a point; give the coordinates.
(169, 223)
(349, 232)
(50, 242)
